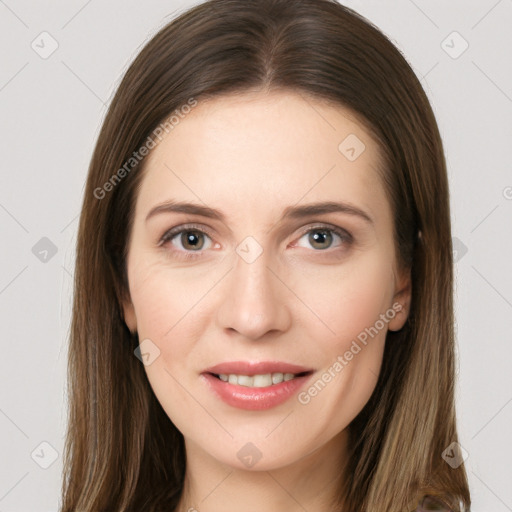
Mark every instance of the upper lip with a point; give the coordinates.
(255, 368)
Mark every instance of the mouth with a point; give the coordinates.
(262, 380)
(255, 386)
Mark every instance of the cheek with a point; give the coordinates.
(173, 310)
(346, 301)
(352, 307)
(171, 314)
(165, 300)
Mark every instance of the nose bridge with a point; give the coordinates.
(254, 303)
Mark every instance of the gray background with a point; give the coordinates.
(51, 110)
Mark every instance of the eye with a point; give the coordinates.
(187, 239)
(191, 240)
(323, 237)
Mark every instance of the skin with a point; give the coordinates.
(251, 156)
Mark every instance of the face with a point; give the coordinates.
(262, 276)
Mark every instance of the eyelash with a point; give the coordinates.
(344, 235)
(169, 235)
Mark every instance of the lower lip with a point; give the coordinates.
(254, 399)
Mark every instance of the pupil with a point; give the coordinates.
(192, 240)
(320, 239)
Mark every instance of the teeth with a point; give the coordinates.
(257, 381)
(277, 378)
(245, 380)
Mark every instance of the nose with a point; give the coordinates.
(254, 301)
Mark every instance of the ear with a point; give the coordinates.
(129, 315)
(401, 300)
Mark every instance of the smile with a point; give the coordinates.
(258, 381)
(255, 386)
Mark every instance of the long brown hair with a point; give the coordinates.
(122, 452)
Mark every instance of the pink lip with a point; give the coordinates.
(251, 368)
(255, 399)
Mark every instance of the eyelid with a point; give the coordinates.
(344, 235)
(306, 229)
(341, 232)
(171, 233)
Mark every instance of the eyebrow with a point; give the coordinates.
(291, 212)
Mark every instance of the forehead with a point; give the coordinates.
(260, 150)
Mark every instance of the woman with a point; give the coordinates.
(263, 299)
